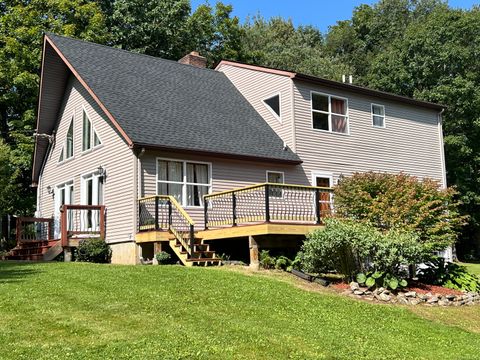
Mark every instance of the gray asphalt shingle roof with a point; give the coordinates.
(162, 103)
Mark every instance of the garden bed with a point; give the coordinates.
(416, 294)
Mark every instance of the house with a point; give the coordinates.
(155, 154)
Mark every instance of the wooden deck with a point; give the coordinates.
(234, 232)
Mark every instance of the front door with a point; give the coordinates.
(63, 196)
(92, 194)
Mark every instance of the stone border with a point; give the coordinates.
(411, 297)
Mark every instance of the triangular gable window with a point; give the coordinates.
(67, 149)
(90, 137)
(273, 104)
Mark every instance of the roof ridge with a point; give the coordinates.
(48, 33)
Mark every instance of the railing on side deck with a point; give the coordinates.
(34, 229)
(163, 212)
(267, 203)
(79, 221)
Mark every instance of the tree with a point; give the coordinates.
(426, 50)
(22, 24)
(278, 43)
(152, 27)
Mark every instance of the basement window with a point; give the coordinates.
(273, 104)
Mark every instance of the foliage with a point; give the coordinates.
(22, 24)
(93, 250)
(450, 275)
(427, 50)
(381, 279)
(266, 261)
(278, 43)
(102, 312)
(352, 247)
(401, 201)
(281, 262)
(163, 257)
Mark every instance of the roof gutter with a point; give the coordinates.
(217, 154)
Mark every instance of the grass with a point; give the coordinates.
(78, 311)
(474, 268)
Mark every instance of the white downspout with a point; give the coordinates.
(442, 148)
(294, 132)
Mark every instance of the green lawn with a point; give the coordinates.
(474, 268)
(78, 311)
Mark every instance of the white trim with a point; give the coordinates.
(442, 149)
(92, 132)
(56, 205)
(384, 116)
(278, 117)
(294, 130)
(323, 174)
(275, 172)
(330, 113)
(184, 183)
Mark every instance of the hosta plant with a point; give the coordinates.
(380, 279)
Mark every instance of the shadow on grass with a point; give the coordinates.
(11, 271)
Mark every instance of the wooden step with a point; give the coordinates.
(204, 260)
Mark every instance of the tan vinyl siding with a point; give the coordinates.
(256, 86)
(409, 143)
(226, 174)
(114, 155)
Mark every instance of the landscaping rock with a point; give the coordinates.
(450, 297)
(432, 300)
(402, 300)
(385, 297)
(414, 301)
(359, 292)
(354, 286)
(411, 294)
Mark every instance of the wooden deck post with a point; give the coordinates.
(102, 222)
(253, 246)
(63, 226)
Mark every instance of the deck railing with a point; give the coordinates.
(267, 203)
(30, 229)
(163, 212)
(79, 221)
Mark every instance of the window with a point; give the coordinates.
(90, 137)
(185, 181)
(329, 113)
(378, 115)
(275, 177)
(273, 104)
(67, 149)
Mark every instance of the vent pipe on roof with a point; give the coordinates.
(350, 79)
(194, 59)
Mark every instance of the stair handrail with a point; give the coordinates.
(188, 243)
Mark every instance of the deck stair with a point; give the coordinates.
(36, 250)
(164, 213)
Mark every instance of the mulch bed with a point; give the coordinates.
(419, 288)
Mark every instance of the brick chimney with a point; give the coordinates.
(194, 59)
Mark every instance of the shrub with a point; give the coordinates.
(94, 250)
(349, 247)
(163, 257)
(266, 261)
(403, 202)
(450, 275)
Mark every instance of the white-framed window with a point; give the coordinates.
(186, 181)
(275, 177)
(378, 115)
(329, 113)
(67, 149)
(64, 195)
(90, 137)
(273, 103)
(91, 193)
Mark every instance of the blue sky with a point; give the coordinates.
(321, 13)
